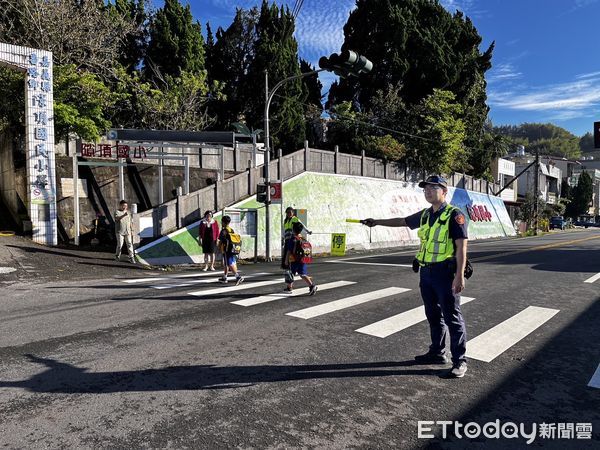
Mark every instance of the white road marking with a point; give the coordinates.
(375, 256)
(371, 264)
(302, 291)
(592, 279)
(595, 381)
(216, 274)
(399, 322)
(174, 277)
(231, 288)
(495, 341)
(343, 303)
(203, 281)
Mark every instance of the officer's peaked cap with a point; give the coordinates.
(434, 179)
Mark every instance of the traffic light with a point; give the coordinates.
(348, 63)
(261, 193)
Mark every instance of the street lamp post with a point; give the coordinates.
(268, 98)
(346, 64)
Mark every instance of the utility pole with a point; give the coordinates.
(267, 163)
(346, 64)
(268, 98)
(536, 189)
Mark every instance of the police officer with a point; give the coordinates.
(288, 230)
(441, 260)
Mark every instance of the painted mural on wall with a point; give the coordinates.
(330, 200)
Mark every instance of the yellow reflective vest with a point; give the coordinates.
(436, 243)
(288, 227)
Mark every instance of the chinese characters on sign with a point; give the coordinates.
(338, 244)
(113, 151)
(479, 213)
(39, 85)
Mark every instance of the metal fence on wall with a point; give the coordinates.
(187, 209)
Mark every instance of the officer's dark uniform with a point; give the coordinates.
(442, 307)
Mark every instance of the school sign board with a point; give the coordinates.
(39, 137)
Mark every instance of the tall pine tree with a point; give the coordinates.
(418, 46)
(276, 51)
(228, 63)
(176, 44)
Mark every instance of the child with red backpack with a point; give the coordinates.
(298, 255)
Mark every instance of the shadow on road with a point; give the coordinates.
(552, 260)
(551, 387)
(62, 377)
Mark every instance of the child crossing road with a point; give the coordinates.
(229, 250)
(297, 259)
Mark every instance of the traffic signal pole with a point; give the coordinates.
(536, 190)
(346, 64)
(268, 98)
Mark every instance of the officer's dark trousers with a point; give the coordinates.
(442, 309)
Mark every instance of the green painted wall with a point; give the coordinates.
(330, 200)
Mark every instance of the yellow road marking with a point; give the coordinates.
(532, 249)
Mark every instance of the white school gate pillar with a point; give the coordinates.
(39, 137)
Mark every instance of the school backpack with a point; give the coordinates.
(303, 251)
(235, 243)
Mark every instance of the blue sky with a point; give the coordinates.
(546, 64)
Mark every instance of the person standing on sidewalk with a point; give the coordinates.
(207, 237)
(441, 259)
(124, 231)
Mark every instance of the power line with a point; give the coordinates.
(361, 122)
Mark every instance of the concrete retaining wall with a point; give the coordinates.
(330, 200)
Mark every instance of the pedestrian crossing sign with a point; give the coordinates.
(338, 244)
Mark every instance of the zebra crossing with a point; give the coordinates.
(595, 381)
(484, 347)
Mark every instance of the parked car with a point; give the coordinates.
(585, 221)
(558, 222)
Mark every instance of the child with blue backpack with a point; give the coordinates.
(297, 256)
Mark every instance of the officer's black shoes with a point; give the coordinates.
(431, 358)
(458, 370)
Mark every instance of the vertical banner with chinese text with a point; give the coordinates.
(39, 139)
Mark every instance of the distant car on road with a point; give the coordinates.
(585, 221)
(558, 222)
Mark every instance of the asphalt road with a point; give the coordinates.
(133, 359)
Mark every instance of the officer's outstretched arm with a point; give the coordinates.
(394, 222)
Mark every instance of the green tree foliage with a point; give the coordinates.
(581, 196)
(418, 46)
(526, 211)
(276, 50)
(385, 147)
(12, 113)
(313, 107)
(443, 127)
(86, 39)
(547, 138)
(176, 44)
(348, 128)
(80, 99)
(492, 146)
(586, 143)
(84, 33)
(133, 46)
(228, 62)
(312, 85)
